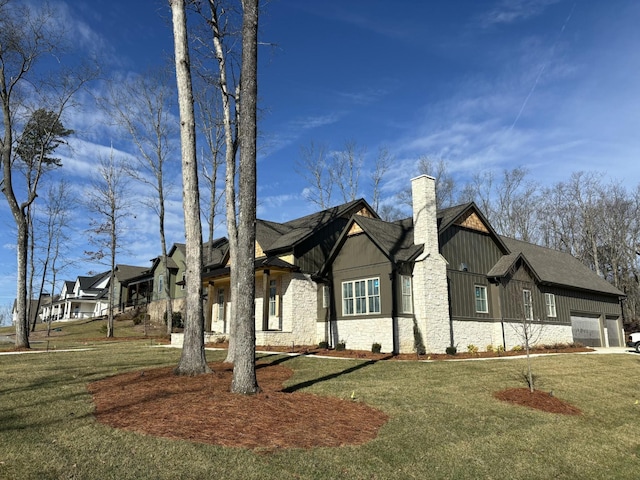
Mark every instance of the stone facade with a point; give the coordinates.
(430, 293)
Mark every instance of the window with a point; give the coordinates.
(361, 297)
(160, 283)
(325, 297)
(221, 304)
(481, 299)
(528, 305)
(272, 298)
(407, 301)
(550, 300)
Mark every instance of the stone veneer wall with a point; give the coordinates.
(299, 308)
(156, 309)
(430, 292)
(482, 334)
(361, 333)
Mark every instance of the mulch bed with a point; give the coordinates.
(202, 409)
(367, 355)
(537, 399)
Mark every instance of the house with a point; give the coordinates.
(435, 280)
(214, 253)
(84, 298)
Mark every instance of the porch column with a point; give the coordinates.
(265, 300)
(209, 309)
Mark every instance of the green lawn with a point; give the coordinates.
(444, 422)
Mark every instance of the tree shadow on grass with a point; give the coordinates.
(308, 383)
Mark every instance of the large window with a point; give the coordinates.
(361, 297)
(325, 297)
(160, 283)
(550, 300)
(481, 299)
(528, 305)
(407, 300)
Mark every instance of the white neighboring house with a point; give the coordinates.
(85, 298)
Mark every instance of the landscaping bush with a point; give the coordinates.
(376, 347)
(176, 318)
(472, 349)
(323, 345)
(451, 350)
(341, 346)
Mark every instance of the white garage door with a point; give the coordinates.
(586, 330)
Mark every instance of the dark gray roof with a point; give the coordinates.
(446, 216)
(274, 237)
(124, 273)
(395, 239)
(557, 268)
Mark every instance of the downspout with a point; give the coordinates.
(394, 311)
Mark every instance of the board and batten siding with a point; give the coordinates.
(360, 258)
(477, 250)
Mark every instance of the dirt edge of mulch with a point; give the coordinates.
(367, 355)
(202, 409)
(538, 399)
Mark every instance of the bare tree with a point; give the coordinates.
(346, 165)
(244, 370)
(55, 223)
(225, 79)
(314, 168)
(141, 107)
(212, 128)
(445, 184)
(381, 167)
(193, 360)
(107, 198)
(28, 34)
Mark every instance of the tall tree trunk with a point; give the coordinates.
(22, 327)
(192, 360)
(244, 370)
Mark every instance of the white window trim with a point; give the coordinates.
(550, 301)
(161, 283)
(528, 313)
(368, 296)
(273, 301)
(407, 297)
(484, 298)
(325, 296)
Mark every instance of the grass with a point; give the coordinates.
(444, 422)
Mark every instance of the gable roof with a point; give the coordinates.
(277, 237)
(394, 239)
(457, 213)
(554, 267)
(124, 273)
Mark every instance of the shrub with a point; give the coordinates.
(137, 320)
(451, 350)
(341, 346)
(323, 345)
(490, 348)
(517, 348)
(176, 320)
(500, 349)
(472, 349)
(103, 329)
(376, 347)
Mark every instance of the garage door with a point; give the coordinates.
(586, 330)
(613, 332)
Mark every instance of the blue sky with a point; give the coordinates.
(551, 85)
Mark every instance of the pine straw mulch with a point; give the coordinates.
(537, 399)
(202, 409)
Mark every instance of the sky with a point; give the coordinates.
(549, 85)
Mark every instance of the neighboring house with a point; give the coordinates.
(84, 298)
(133, 286)
(32, 305)
(434, 280)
